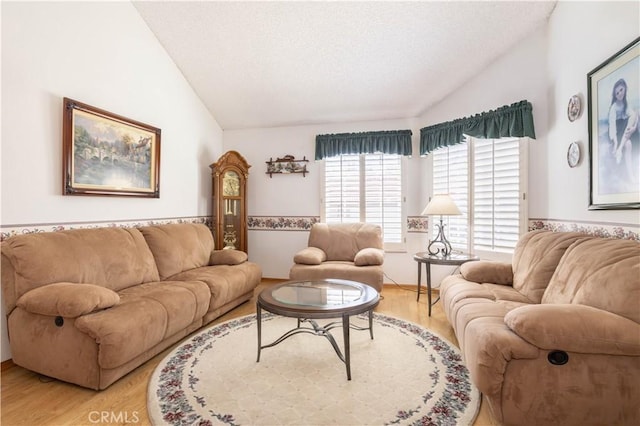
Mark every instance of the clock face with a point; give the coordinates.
(231, 184)
(573, 154)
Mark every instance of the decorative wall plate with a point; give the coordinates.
(574, 108)
(573, 154)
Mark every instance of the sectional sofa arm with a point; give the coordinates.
(310, 256)
(69, 300)
(485, 271)
(227, 257)
(489, 347)
(575, 328)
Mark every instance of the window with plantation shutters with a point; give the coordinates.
(342, 189)
(451, 176)
(496, 194)
(365, 188)
(487, 180)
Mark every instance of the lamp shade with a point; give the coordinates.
(441, 204)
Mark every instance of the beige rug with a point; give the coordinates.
(406, 375)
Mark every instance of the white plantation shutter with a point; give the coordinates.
(496, 194)
(451, 176)
(365, 188)
(383, 194)
(485, 177)
(342, 189)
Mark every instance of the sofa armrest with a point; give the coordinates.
(369, 256)
(227, 257)
(310, 256)
(575, 328)
(489, 346)
(485, 271)
(68, 300)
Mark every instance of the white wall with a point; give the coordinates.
(295, 195)
(102, 54)
(545, 68)
(519, 75)
(582, 35)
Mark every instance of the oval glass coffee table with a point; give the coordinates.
(318, 299)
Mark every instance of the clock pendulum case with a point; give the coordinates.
(229, 192)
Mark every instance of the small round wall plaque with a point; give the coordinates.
(573, 154)
(574, 108)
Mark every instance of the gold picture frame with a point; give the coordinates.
(107, 154)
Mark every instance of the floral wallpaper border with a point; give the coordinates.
(418, 224)
(619, 230)
(281, 223)
(415, 224)
(304, 223)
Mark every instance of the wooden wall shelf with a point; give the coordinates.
(287, 165)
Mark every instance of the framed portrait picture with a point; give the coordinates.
(107, 154)
(614, 132)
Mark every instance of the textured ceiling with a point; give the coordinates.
(268, 64)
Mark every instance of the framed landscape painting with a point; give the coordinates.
(614, 131)
(107, 154)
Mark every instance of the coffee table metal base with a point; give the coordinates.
(318, 330)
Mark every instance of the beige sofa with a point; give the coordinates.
(348, 251)
(554, 337)
(88, 306)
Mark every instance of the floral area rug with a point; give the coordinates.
(406, 375)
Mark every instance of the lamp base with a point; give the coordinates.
(440, 239)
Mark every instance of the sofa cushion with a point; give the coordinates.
(179, 247)
(470, 310)
(454, 288)
(225, 283)
(227, 257)
(455, 292)
(310, 256)
(506, 293)
(371, 275)
(369, 256)
(115, 258)
(599, 272)
(146, 315)
(535, 258)
(68, 300)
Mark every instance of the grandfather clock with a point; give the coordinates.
(229, 189)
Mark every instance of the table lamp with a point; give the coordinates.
(443, 205)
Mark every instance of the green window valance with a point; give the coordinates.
(388, 142)
(515, 120)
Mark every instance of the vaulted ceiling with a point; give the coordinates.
(268, 64)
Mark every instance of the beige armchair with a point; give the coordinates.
(348, 251)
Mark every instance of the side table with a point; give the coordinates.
(455, 259)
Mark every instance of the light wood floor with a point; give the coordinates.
(28, 399)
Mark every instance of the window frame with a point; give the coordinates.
(389, 247)
(523, 213)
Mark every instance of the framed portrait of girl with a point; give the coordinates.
(614, 131)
